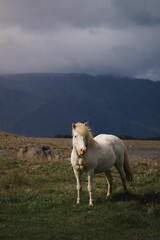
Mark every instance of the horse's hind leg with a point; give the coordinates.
(109, 181)
(123, 176)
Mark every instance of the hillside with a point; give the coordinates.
(47, 104)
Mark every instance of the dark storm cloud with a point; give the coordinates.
(40, 14)
(115, 36)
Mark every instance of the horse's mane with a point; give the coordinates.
(84, 129)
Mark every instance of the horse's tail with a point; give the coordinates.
(126, 166)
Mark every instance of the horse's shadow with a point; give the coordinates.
(148, 198)
(141, 198)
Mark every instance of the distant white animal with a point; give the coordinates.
(97, 155)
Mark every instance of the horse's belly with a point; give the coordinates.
(105, 162)
(104, 166)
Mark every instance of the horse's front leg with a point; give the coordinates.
(90, 184)
(78, 176)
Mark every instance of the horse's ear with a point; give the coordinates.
(73, 125)
(86, 124)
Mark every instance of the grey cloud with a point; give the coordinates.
(104, 36)
(53, 14)
(140, 12)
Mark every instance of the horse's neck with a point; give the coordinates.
(91, 141)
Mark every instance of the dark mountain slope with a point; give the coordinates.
(47, 104)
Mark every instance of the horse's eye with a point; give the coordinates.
(75, 136)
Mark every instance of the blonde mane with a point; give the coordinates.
(84, 130)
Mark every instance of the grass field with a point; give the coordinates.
(37, 197)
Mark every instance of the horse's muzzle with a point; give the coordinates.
(81, 151)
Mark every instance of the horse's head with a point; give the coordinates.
(80, 137)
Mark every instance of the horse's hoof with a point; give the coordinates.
(91, 204)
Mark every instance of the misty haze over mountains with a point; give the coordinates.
(47, 104)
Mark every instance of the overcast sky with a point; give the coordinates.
(89, 36)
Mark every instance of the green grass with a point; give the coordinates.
(37, 201)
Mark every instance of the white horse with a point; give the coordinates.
(97, 155)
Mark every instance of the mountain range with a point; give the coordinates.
(47, 104)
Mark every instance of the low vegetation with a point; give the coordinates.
(37, 197)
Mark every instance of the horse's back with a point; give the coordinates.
(107, 138)
(111, 141)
